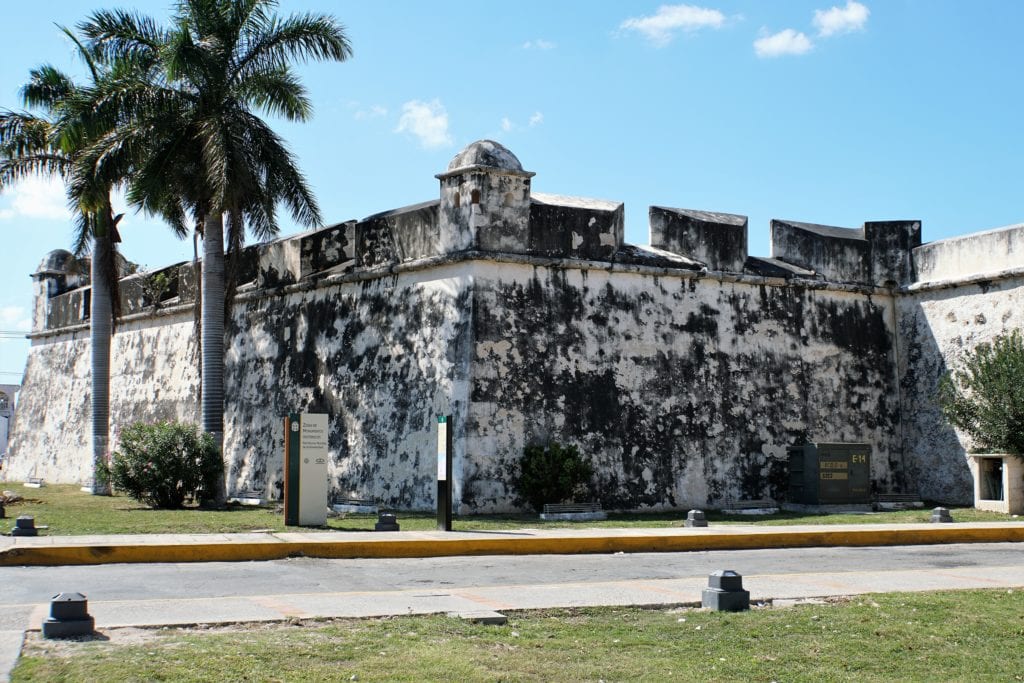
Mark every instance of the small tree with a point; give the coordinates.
(985, 399)
(166, 463)
(551, 474)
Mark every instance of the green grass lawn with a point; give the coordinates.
(965, 636)
(67, 511)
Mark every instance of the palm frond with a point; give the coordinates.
(297, 38)
(120, 34)
(22, 133)
(47, 88)
(277, 91)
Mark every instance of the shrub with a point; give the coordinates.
(551, 474)
(163, 464)
(986, 398)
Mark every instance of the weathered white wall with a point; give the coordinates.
(937, 327)
(153, 377)
(685, 391)
(382, 357)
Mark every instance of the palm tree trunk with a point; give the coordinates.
(213, 339)
(100, 327)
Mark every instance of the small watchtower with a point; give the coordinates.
(485, 200)
(57, 273)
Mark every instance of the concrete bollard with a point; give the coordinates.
(25, 526)
(69, 617)
(725, 592)
(386, 521)
(941, 515)
(695, 518)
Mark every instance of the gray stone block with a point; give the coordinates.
(725, 601)
(69, 617)
(726, 580)
(695, 518)
(486, 617)
(69, 606)
(725, 592)
(52, 628)
(25, 526)
(386, 522)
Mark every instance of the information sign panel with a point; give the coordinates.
(305, 467)
(313, 469)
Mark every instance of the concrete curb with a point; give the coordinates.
(400, 545)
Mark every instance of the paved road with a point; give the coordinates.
(304, 575)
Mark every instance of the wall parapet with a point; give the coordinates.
(978, 255)
(628, 261)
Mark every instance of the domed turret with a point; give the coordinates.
(485, 155)
(485, 200)
(58, 272)
(57, 262)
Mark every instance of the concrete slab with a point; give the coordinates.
(10, 650)
(484, 600)
(485, 617)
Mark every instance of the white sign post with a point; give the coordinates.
(313, 470)
(306, 469)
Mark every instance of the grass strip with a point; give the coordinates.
(68, 511)
(942, 636)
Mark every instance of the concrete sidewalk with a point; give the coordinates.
(68, 550)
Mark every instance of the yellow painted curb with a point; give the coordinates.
(275, 548)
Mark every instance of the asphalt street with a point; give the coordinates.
(25, 585)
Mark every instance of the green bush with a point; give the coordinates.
(166, 463)
(551, 474)
(986, 398)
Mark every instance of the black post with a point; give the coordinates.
(445, 428)
(292, 424)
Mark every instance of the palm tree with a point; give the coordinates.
(208, 155)
(52, 145)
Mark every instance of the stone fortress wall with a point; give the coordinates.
(684, 369)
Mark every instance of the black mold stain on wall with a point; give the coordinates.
(376, 357)
(675, 383)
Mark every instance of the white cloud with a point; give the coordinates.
(536, 119)
(506, 124)
(37, 197)
(428, 121)
(661, 26)
(14, 318)
(841, 20)
(539, 44)
(787, 42)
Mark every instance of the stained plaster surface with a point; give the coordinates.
(153, 376)
(684, 391)
(383, 358)
(938, 328)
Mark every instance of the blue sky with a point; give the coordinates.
(827, 112)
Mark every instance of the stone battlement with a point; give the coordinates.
(486, 206)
